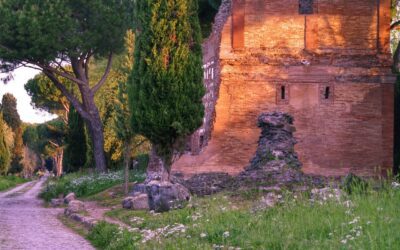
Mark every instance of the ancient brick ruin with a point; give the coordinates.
(325, 62)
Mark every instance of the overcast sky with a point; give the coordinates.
(16, 87)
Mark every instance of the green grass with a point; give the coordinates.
(371, 222)
(110, 237)
(83, 184)
(7, 182)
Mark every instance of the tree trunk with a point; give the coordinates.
(127, 153)
(95, 127)
(96, 134)
(157, 168)
(58, 159)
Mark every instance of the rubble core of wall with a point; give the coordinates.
(275, 162)
(276, 142)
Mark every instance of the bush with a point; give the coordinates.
(85, 184)
(109, 236)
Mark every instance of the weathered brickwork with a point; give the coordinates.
(330, 70)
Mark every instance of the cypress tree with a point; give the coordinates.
(165, 88)
(75, 151)
(4, 150)
(10, 112)
(17, 153)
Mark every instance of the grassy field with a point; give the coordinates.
(7, 182)
(367, 220)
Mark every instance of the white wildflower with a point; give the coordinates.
(226, 234)
(395, 185)
(203, 235)
(348, 204)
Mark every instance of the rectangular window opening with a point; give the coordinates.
(327, 93)
(282, 93)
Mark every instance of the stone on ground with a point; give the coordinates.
(75, 206)
(70, 197)
(139, 201)
(166, 196)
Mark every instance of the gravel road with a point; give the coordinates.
(25, 224)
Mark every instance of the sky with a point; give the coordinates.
(16, 87)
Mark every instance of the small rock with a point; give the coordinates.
(56, 202)
(88, 222)
(138, 202)
(165, 196)
(70, 197)
(74, 207)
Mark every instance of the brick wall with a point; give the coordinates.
(341, 47)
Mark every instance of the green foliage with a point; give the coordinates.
(165, 88)
(11, 181)
(45, 96)
(111, 237)
(9, 110)
(75, 140)
(4, 149)
(83, 184)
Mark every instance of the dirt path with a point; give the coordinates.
(25, 224)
